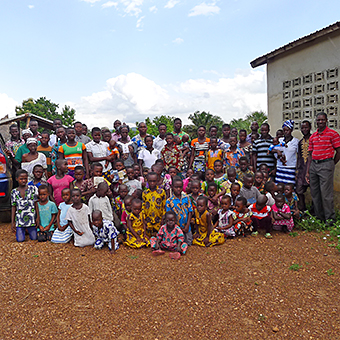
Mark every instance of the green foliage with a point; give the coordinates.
(293, 234)
(311, 223)
(244, 123)
(202, 118)
(45, 108)
(153, 124)
(330, 272)
(295, 267)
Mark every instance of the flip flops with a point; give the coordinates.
(175, 256)
(158, 252)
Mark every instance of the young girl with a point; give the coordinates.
(46, 214)
(186, 180)
(60, 181)
(242, 217)
(119, 200)
(132, 183)
(169, 237)
(292, 201)
(213, 203)
(23, 200)
(170, 154)
(205, 235)
(225, 220)
(64, 232)
(209, 178)
(79, 178)
(100, 201)
(125, 214)
(234, 194)
(136, 228)
(220, 176)
(258, 182)
(282, 217)
(78, 217)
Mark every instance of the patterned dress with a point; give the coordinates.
(231, 158)
(105, 235)
(241, 226)
(240, 174)
(215, 237)
(223, 221)
(137, 226)
(291, 203)
(200, 154)
(169, 240)
(171, 157)
(277, 224)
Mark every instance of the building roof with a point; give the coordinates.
(290, 46)
(43, 122)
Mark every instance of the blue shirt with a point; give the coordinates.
(45, 213)
(63, 207)
(181, 207)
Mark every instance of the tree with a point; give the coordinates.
(244, 123)
(45, 108)
(202, 118)
(153, 124)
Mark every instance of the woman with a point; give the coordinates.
(127, 148)
(245, 146)
(148, 155)
(29, 160)
(286, 173)
(200, 146)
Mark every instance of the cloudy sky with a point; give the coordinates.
(131, 59)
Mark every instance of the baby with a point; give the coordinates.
(278, 147)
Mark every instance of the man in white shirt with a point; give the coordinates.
(159, 141)
(57, 123)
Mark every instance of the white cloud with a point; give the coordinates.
(109, 4)
(171, 3)
(153, 9)
(30, 6)
(204, 9)
(178, 41)
(132, 7)
(139, 23)
(7, 105)
(133, 97)
(90, 1)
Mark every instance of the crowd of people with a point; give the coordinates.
(167, 192)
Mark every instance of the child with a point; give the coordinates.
(248, 191)
(60, 181)
(99, 201)
(265, 177)
(137, 173)
(38, 172)
(169, 237)
(258, 183)
(136, 233)
(280, 188)
(23, 201)
(78, 217)
(261, 216)
(119, 200)
(112, 152)
(213, 202)
(153, 205)
(241, 217)
(205, 235)
(78, 182)
(46, 149)
(225, 220)
(170, 154)
(132, 183)
(46, 214)
(209, 178)
(281, 215)
(64, 232)
(234, 194)
(125, 214)
(278, 148)
(292, 200)
(244, 169)
(271, 189)
(231, 173)
(180, 204)
(219, 177)
(186, 180)
(213, 153)
(104, 232)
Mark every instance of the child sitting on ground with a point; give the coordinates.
(205, 235)
(78, 217)
(248, 191)
(100, 201)
(122, 227)
(225, 220)
(258, 182)
(104, 232)
(292, 201)
(46, 215)
(64, 232)
(136, 227)
(234, 194)
(231, 173)
(220, 176)
(242, 217)
(244, 168)
(23, 201)
(169, 237)
(281, 215)
(119, 200)
(213, 202)
(261, 216)
(38, 172)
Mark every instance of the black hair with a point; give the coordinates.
(79, 167)
(242, 130)
(231, 169)
(202, 126)
(119, 160)
(170, 213)
(159, 161)
(321, 114)
(177, 179)
(263, 164)
(169, 134)
(124, 126)
(266, 125)
(213, 138)
(242, 199)
(210, 170)
(93, 165)
(37, 166)
(20, 172)
(279, 197)
(269, 186)
(248, 176)
(13, 126)
(291, 185)
(258, 172)
(218, 161)
(102, 184)
(45, 132)
(212, 127)
(226, 197)
(57, 119)
(139, 124)
(203, 198)
(307, 122)
(65, 190)
(212, 184)
(196, 181)
(177, 119)
(127, 197)
(172, 167)
(70, 128)
(136, 201)
(161, 124)
(77, 122)
(243, 158)
(43, 187)
(95, 129)
(225, 125)
(148, 136)
(235, 184)
(74, 190)
(152, 173)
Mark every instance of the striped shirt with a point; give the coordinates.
(260, 214)
(73, 154)
(322, 145)
(260, 147)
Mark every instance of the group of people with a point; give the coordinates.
(167, 191)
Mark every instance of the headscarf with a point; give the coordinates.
(289, 123)
(27, 131)
(31, 140)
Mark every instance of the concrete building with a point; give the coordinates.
(303, 79)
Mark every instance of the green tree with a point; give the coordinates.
(45, 108)
(202, 118)
(153, 124)
(244, 123)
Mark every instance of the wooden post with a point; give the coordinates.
(28, 122)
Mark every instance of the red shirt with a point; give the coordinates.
(260, 214)
(323, 144)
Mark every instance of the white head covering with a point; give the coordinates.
(27, 131)
(31, 140)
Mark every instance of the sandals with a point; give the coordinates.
(175, 255)
(158, 252)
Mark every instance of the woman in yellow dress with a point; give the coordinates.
(205, 236)
(135, 233)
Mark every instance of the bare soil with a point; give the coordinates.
(242, 289)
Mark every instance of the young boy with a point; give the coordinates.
(210, 178)
(153, 205)
(261, 217)
(119, 200)
(46, 149)
(244, 169)
(180, 204)
(132, 183)
(213, 153)
(231, 173)
(99, 201)
(38, 172)
(46, 215)
(248, 191)
(104, 232)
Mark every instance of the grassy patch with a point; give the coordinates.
(295, 267)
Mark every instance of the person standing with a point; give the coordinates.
(301, 167)
(57, 123)
(78, 127)
(33, 126)
(178, 128)
(160, 141)
(116, 135)
(320, 170)
(254, 127)
(140, 138)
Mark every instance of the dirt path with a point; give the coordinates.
(243, 289)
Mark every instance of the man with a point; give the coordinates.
(260, 149)
(80, 137)
(33, 125)
(178, 128)
(301, 167)
(139, 139)
(160, 141)
(320, 170)
(15, 142)
(254, 127)
(57, 123)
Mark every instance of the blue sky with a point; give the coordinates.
(130, 59)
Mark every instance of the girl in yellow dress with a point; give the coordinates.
(205, 236)
(135, 234)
